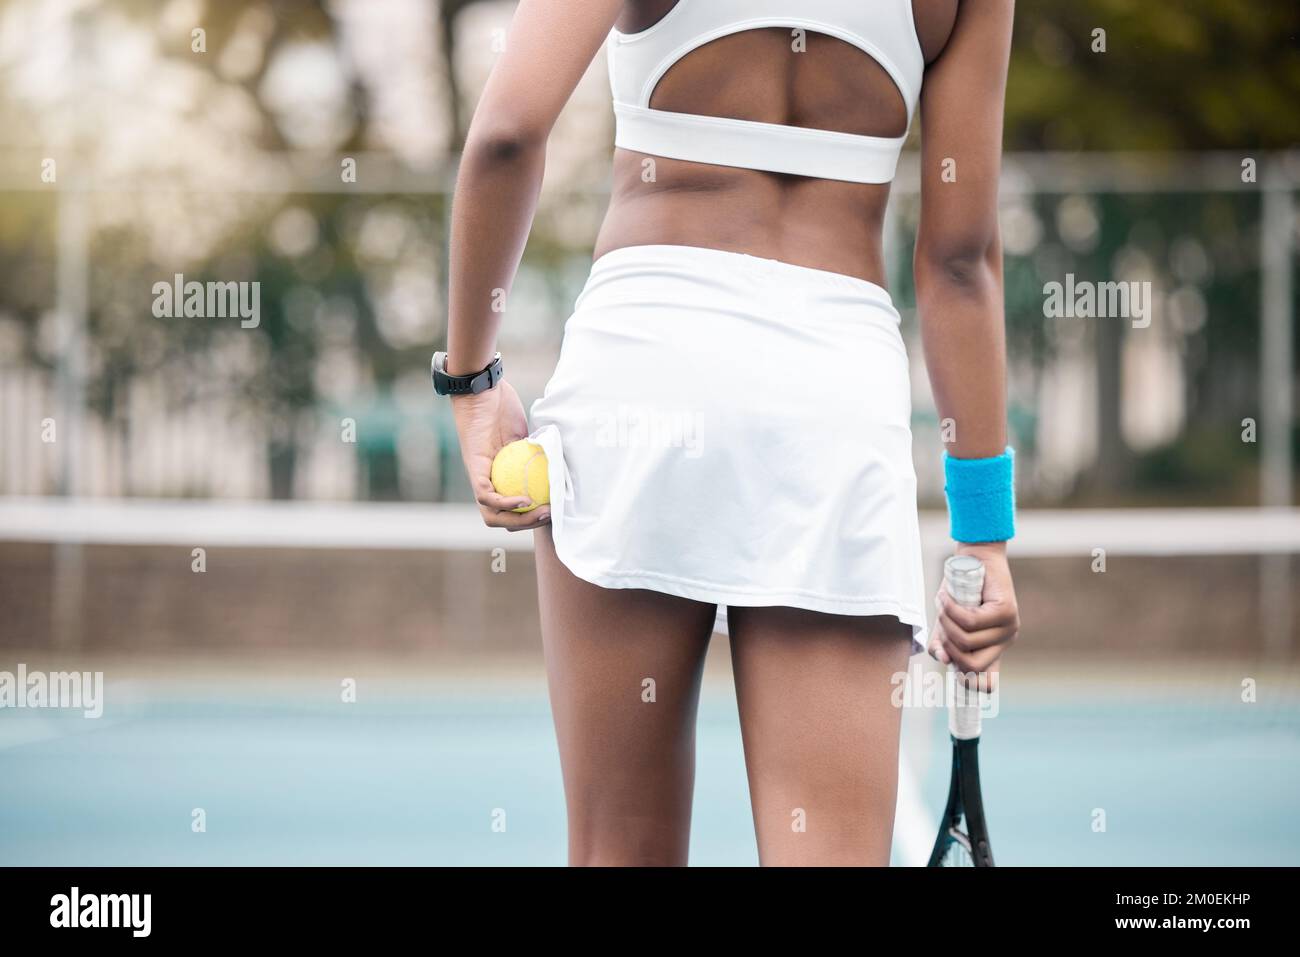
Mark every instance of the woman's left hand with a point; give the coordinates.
(973, 639)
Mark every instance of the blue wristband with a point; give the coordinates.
(981, 497)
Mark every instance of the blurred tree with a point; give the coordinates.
(1129, 75)
(1195, 74)
(448, 12)
(1198, 74)
(285, 388)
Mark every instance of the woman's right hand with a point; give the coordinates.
(484, 423)
(973, 639)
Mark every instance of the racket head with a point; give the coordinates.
(963, 838)
(952, 846)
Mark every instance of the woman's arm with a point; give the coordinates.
(958, 265)
(550, 45)
(958, 270)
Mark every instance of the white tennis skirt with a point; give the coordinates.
(735, 430)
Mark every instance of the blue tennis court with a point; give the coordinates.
(467, 774)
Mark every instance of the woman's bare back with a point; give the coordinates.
(769, 75)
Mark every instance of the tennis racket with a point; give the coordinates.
(963, 839)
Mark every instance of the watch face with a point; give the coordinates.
(443, 384)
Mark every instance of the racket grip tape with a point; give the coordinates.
(963, 577)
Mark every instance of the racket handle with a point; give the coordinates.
(963, 576)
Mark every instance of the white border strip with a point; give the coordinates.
(1041, 533)
(252, 524)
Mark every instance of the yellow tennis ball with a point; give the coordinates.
(520, 469)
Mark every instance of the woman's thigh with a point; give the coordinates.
(820, 731)
(624, 669)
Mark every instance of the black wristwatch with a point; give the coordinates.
(446, 384)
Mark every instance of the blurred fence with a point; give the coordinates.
(328, 398)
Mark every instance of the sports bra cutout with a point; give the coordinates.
(882, 29)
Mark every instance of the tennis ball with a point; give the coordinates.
(520, 469)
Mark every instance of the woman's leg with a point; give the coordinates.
(820, 731)
(624, 669)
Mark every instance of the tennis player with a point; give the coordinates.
(728, 427)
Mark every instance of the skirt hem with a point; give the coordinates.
(738, 597)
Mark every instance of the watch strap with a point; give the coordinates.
(444, 383)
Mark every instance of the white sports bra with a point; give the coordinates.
(883, 29)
